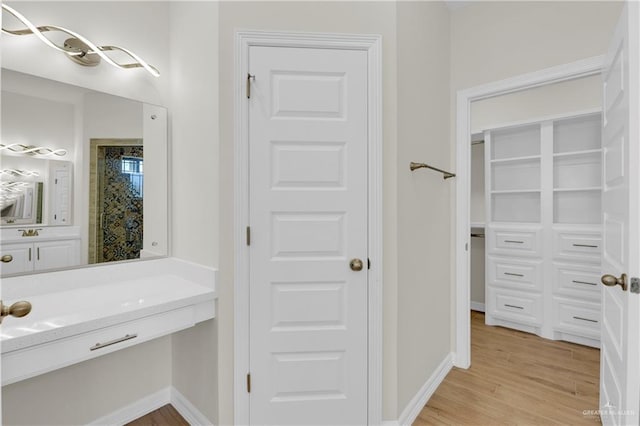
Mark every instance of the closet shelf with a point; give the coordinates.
(576, 153)
(588, 188)
(515, 159)
(515, 191)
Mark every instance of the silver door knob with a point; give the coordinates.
(356, 265)
(612, 281)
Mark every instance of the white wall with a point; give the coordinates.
(477, 252)
(491, 41)
(35, 121)
(423, 195)
(555, 99)
(195, 188)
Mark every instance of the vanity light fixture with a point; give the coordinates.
(78, 48)
(12, 186)
(32, 150)
(16, 172)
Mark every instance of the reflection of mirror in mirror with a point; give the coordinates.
(20, 202)
(91, 220)
(35, 190)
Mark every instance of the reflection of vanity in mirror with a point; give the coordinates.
(82, 176)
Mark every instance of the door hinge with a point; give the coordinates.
(248, 235)
(635, 285)
(249, 382)
(368, 263)
(249, 78)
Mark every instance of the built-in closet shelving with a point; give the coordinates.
(543, 209)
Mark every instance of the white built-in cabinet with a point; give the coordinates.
(39, 256)
(544, 233)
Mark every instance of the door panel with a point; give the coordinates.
(56, 254)
(619, 373)
(308, 217)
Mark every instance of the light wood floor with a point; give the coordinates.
(517, 379)
(163, 416)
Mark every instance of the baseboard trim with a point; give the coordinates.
(187, 410)
(144, 406)
(477, 306)
(136, 409)
(417, 403)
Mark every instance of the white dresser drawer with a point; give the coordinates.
(583, 246)
(24, 363)
(515, 306)
(513, 273)
(578, 318)
(580, 281)
(515, 242)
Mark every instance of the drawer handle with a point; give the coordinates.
(6, 258)
(113, 342)
(585, 319)
(513, 306)
(583, 282)
(514, 241)
(513, 274)
(585, 245)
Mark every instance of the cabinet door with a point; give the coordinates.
(21, 258)
(56, 254)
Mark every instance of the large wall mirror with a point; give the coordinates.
(83, 177)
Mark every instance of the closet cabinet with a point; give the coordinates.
(543, 210)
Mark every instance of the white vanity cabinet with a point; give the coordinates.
(52, 249)
(544, 231)
(16, 258)
(28, 257)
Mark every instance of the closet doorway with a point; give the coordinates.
(617, 241)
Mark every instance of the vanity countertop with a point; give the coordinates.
(66, 313)
(83, 313)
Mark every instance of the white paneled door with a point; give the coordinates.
(620, 352)
(308, 237)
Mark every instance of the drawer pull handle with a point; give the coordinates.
(585, 319)
(513, 274)
(585, 245)
(113, 342)
(583, 282)
(514, 241)
(513, 306)
(6, 258)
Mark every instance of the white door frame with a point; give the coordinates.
(573, 70)
(372, 44)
